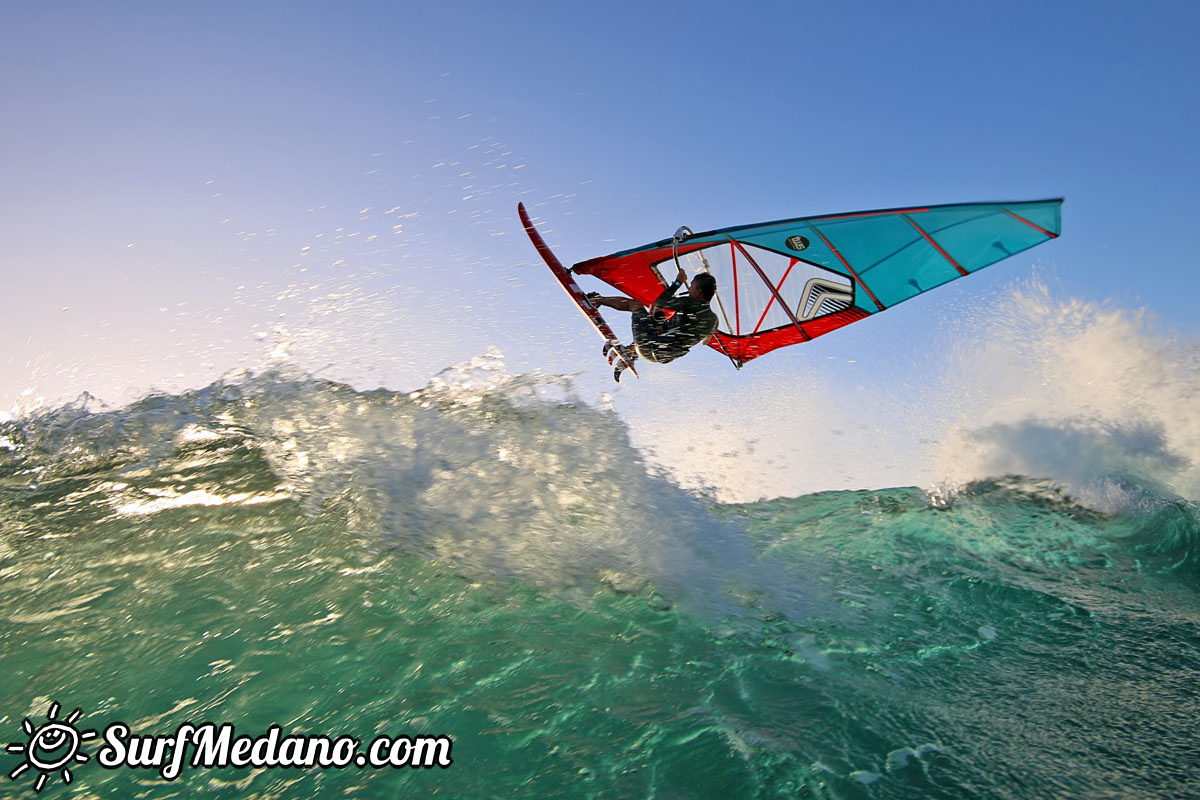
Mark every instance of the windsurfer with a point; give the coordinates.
(660, 337)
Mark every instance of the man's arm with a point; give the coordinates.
(669, 292)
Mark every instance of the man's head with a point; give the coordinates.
(703, 287)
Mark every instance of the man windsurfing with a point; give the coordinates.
(673, 325)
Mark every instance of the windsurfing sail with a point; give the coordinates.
(785, 282)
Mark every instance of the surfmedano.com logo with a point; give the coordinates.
(56, 745)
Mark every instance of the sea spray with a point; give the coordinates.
(1091, 396)
(1023, 381)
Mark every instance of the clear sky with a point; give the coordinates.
(189, 188)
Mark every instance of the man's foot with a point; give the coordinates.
(628, 356)
(626, 352)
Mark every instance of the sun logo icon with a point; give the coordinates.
(51, 747)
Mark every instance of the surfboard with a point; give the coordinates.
(618, 355)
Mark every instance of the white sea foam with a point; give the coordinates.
(507, 477)
(1090, 396)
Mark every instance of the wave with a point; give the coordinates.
(503, 477)
(274, 534)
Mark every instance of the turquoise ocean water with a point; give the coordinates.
(500, 565)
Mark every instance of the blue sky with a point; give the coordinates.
(191, 187)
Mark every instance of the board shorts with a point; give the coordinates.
(651, 338)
